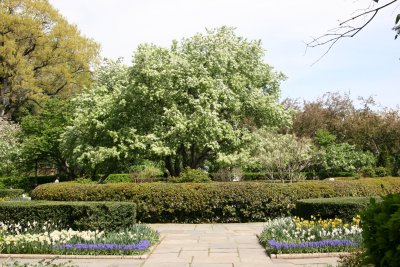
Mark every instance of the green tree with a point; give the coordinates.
(41, 55)
(40, 134)
(341, 158)
(198, 100)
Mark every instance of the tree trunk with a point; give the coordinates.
(103, 178)
(173, 165)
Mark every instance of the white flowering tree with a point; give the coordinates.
(97, 140)
(9, 146)
(282, 156)
(198, 100)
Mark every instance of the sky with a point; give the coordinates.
(366, 65)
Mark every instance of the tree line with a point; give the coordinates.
(206, 102)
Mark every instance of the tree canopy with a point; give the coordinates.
(41, 55)
(198, 100)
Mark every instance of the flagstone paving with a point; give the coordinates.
(206, 245)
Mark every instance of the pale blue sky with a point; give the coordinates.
(365, 65)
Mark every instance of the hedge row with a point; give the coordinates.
(11, 193)
(214, 202)
(345, 208)
(75, 215)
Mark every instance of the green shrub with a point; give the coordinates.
(354, 259)
(119, 178)
(192, 176)
(28, 183)
(214, 202)
(11, 193)
(382, 172)
(146, 172)
(249, 176)
(368, 171)
(77, 215)
(381, 235)
(345, 208)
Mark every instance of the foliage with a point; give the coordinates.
(41, 54)
(145, 172)
(343, 157)
(213, 202)
(40, 137)
(193, 102)
(381, 224)
(361, 124)
(227, 174)
(354, 259)
(11, 193)
(119, 178)
(192, 176)
(93, 144)
(77, 215)
(35, 240)
(295, 235)
(27, 183)
(381, 172)
(324, 138)
(344, 208)
(367, 171)
(282, 156)
(9, 146)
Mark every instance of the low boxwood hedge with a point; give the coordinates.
(75, 215)
(345, 208)
(11, 193)
(214, 202)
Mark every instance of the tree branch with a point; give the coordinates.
(345, 30)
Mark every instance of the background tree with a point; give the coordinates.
(198, 100)
(282, 156)
(40, 138)
(362, 124)
(41, 55)
(97, 141)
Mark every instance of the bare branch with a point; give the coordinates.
(345, 30)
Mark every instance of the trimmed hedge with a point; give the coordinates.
(214, 202)
(11, 193)
(75, 215)
(345, 208)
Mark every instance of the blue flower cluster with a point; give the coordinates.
(315, 244)
(141, 245)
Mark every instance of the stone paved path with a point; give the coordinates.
(206, 245)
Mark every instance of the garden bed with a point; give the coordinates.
(136, 240)
(309, 255)
(297, 236)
